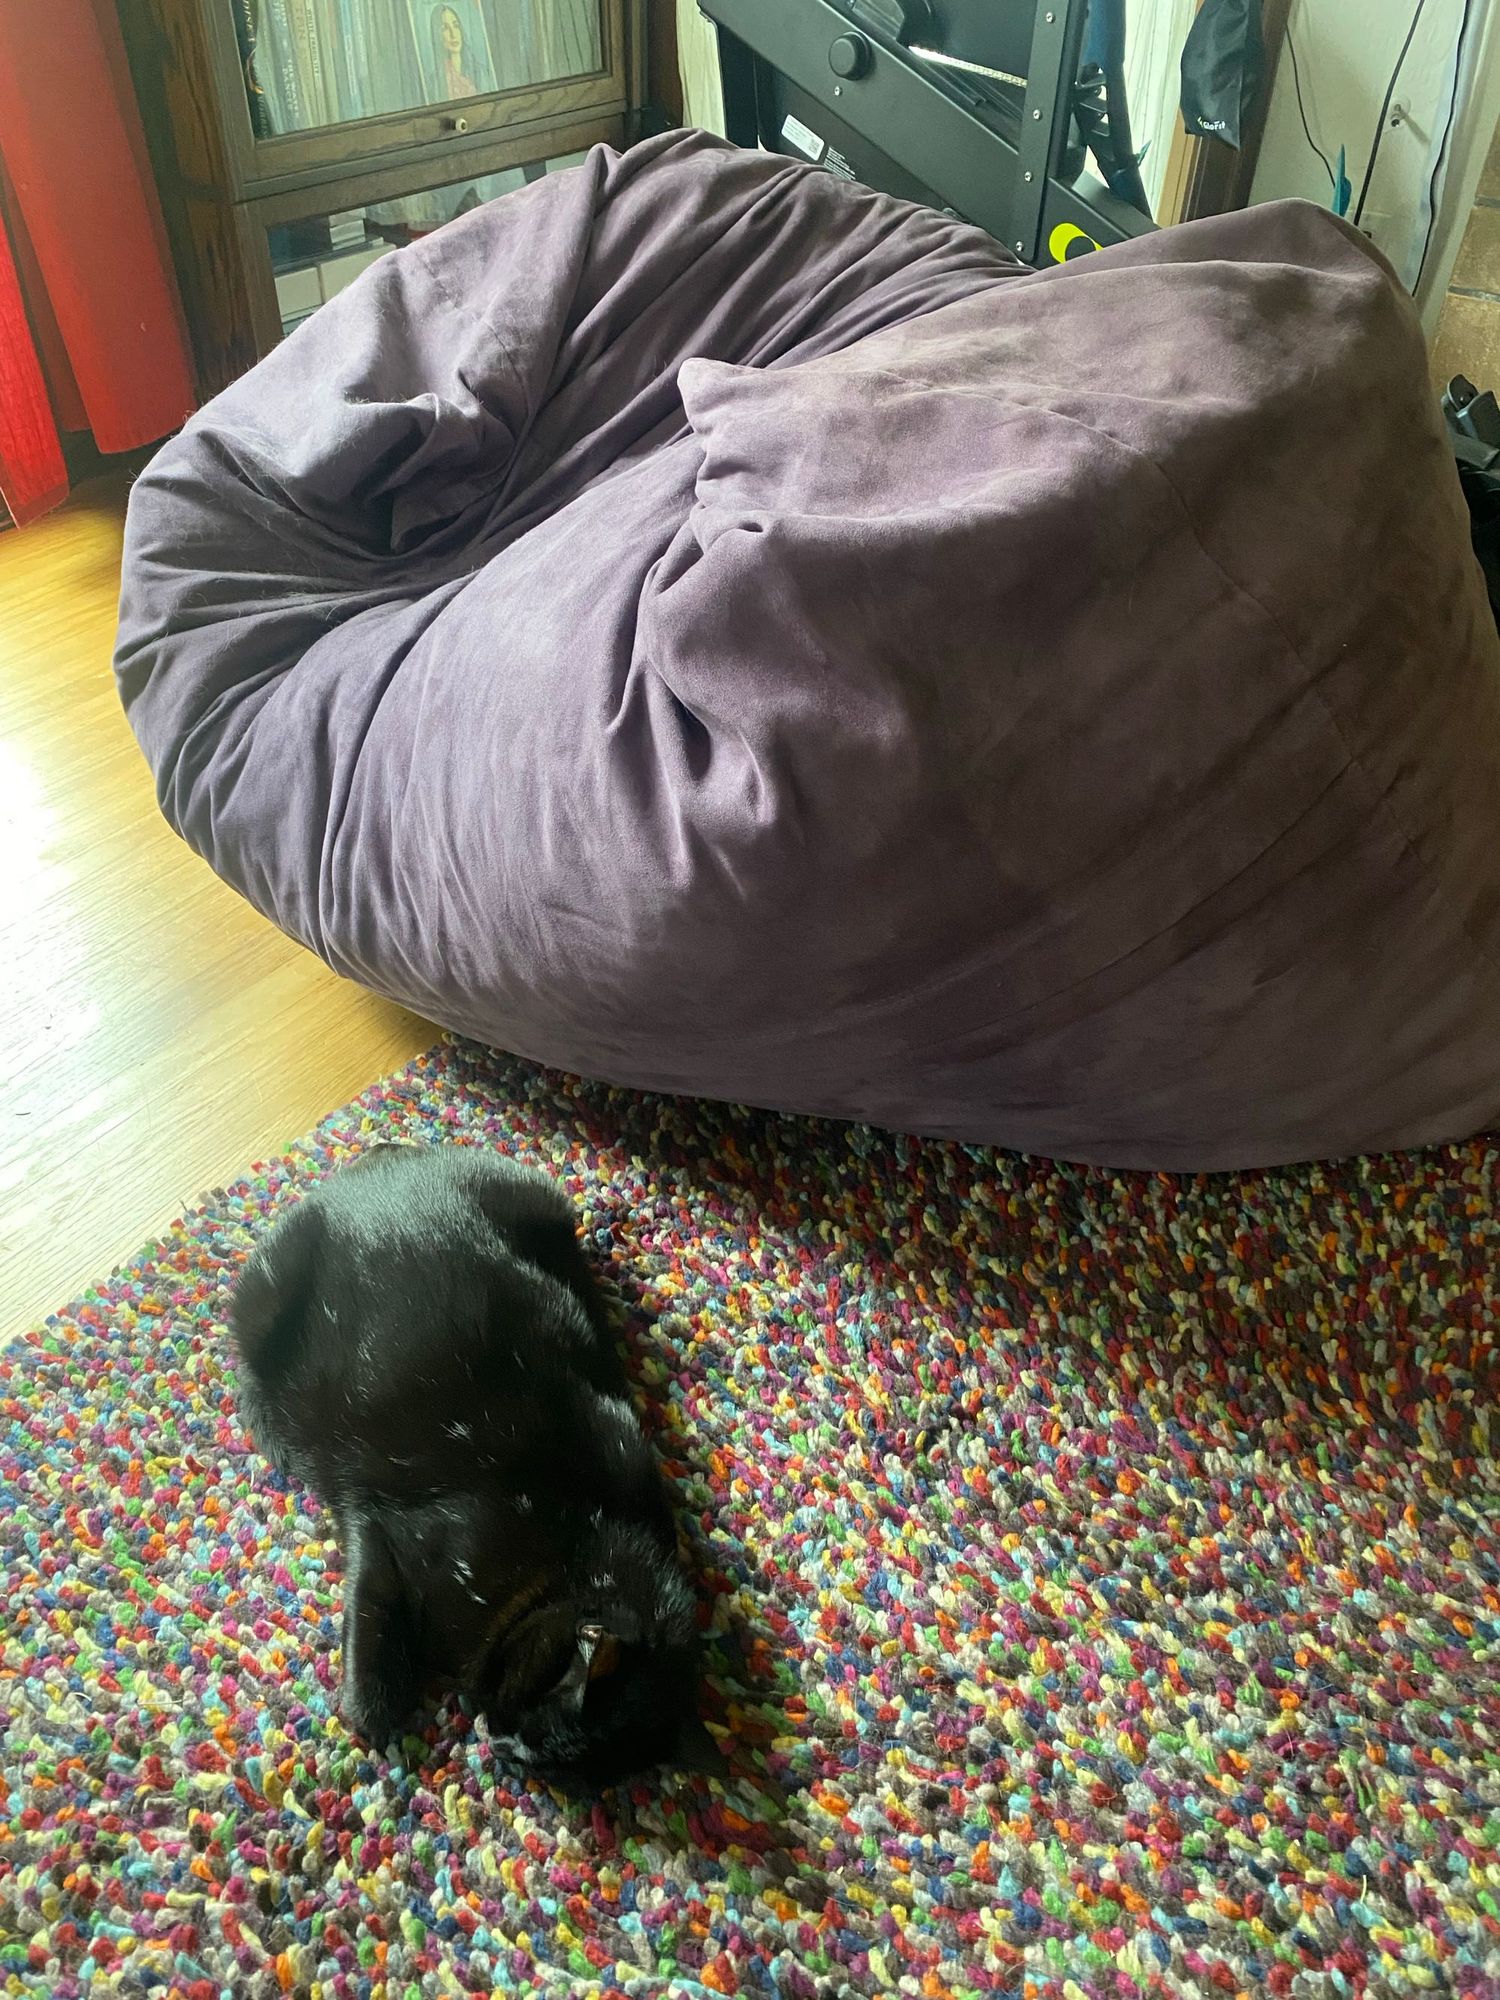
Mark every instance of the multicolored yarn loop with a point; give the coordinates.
(1101, 1579)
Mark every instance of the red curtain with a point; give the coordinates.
(91, 332)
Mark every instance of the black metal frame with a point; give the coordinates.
(915, 130)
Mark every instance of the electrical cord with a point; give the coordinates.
(1291, 49)
(1437, 164)
(1390, 92)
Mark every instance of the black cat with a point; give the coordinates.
(421, 1344)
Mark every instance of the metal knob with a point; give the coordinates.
(455, 124)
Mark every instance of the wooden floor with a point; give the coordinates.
(156, 1035)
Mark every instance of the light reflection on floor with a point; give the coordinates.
(156, 1035)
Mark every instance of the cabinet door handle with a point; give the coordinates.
(455, 124)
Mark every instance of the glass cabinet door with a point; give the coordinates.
(318, 255)
(309, 64)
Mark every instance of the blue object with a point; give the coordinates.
(1341, 188)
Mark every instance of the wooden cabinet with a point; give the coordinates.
(296, 140)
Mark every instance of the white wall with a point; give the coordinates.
(1346, 50)
(1155, 33)
(1473, 136)
(698, 69)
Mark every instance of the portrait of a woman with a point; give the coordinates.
(454, 50)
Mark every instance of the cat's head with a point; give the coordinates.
(584, 1663)
(399, 1358)
(598, 1681)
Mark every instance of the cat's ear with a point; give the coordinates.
(604, 1657)
(270, 1297)
(596, 1655)
(695, 1752)
(380, 1655)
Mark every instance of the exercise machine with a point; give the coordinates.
(1008, 113)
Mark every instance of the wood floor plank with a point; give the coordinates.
(156, 1035)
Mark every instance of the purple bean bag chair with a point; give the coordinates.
(701, 624)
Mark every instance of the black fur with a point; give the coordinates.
(421, 1343)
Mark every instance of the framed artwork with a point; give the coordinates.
(453, 49)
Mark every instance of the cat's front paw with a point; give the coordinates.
(370, 1716)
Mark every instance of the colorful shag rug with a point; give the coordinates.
(1101, 1580)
